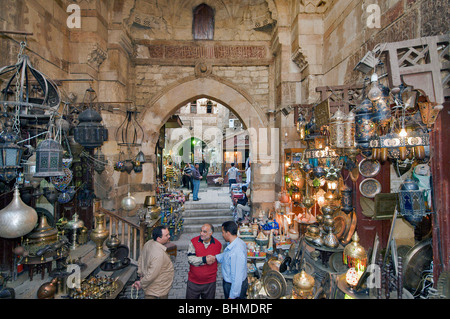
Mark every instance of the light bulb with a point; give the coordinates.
(403, 132)
(375, 91)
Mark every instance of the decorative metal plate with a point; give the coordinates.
(416, 261)
(369, 167)
(274, 284)
(370, 187)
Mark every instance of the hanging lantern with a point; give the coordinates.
(49, 159)
(346, 200)
(349, 130)
(381, 109)
(89, 132)
(17, 219)
(130, 133)
(301, 123)
(29, 169)
(412, 202)
(337, 130)
(10, 152)
(140, 157)
(99, 161)
(364, 126)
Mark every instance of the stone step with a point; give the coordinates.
(200, 220)
(206, 212)
(199, 205)
(195, 228)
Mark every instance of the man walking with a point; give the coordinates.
(202, 270)
(197, 177)
(232, 174)
(155, 268)
(234, 263)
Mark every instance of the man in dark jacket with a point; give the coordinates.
(196, 177)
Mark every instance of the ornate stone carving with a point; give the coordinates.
(195, 51)
(96, 56)
(314, 6)
(202, 69)
(299, 58)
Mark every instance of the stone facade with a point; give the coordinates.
(266, 55)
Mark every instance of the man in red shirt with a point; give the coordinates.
(203, 271)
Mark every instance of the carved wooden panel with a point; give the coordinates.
(203, 23)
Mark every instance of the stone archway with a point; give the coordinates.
(264, 163)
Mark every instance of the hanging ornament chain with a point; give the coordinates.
(16, 122)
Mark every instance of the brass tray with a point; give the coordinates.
(370, 187)
(369, 167)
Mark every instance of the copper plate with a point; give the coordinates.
(370, 187)
(351, 230)
(339, 226)
(369, 167)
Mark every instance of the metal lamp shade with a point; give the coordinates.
(89, 132)
(17, 219)
(49, 156)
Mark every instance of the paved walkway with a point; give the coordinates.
(181, 265)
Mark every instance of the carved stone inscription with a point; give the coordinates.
(163, 51)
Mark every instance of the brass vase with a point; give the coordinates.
(99, 235)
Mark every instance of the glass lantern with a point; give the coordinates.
(49, 159)
(412, 202)
(364, 125)
(349, 130)
(10, 153)
(337, 130)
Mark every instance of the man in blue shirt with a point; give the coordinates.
(234, 263)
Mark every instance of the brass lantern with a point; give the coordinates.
(303, 286)
(337, 130)
(355, 255)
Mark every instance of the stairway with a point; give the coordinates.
(213, 208)
(196, 214)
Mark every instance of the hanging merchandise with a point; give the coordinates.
(364, 126)
(89, 132)
(10, 152)
(17, 219)
(412, 202)
(130, 133)
(49, 155)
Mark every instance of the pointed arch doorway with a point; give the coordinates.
(263, 142)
